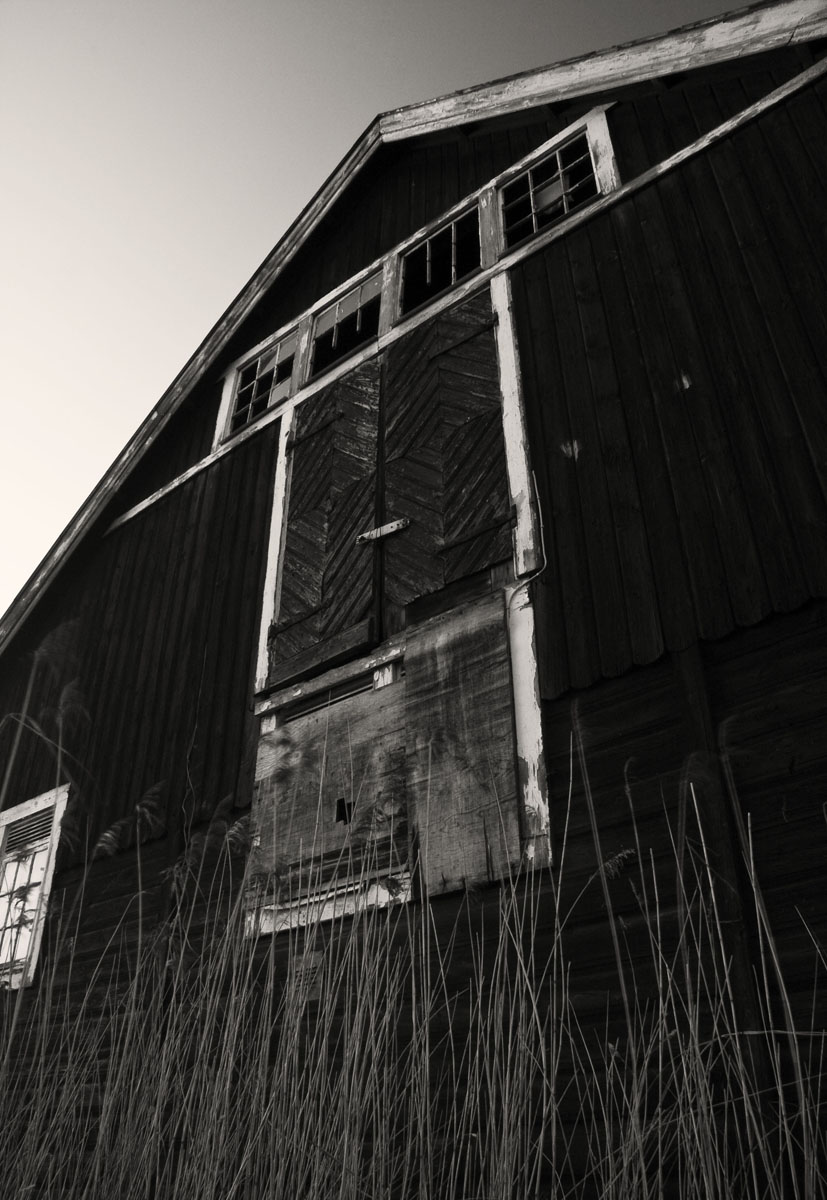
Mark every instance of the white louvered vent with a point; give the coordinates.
(27, 830)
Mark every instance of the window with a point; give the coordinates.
(562, 176)
(441, 260)
(548, 190)
(346, 324)
(263, 382)
(28, 841)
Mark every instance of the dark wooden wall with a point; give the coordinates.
(675, 359)
(157, 622)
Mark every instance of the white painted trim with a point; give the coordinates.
(718, 39)
(391, 651)
(602, 152)
(517, 458)
(489, 227)
(391, 280)
(222, 425)
(528, 726)
(275, 550)
(344, 899)
(56, 799)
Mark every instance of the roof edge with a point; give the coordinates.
(737, 34)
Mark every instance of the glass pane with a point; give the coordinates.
(263, 385)
(284, 370)
(247, 376)
(574, 151)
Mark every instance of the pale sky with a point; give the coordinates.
(151, 155)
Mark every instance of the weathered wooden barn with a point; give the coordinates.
(490, 516)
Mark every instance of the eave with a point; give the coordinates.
(745, 32)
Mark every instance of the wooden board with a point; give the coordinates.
(330, 794)
(460, 748)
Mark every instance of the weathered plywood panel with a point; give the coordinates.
(461, 766)
(330, 795)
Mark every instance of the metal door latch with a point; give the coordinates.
(373, 535)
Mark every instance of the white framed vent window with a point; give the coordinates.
(28, 843)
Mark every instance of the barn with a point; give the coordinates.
(481, 546)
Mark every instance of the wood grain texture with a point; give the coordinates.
(331, 794)
(460, 748)
(675, 371)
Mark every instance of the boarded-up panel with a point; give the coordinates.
(330, 796)
(460, 748)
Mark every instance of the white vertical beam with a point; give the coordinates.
(274, 550)
(528, 724)
(520, 611)
(526, 541)
(223, 421)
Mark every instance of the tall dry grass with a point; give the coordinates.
(397, 1053)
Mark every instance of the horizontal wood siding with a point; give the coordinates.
(164, 621)
(675, 360)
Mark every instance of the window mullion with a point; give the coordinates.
(491, 239)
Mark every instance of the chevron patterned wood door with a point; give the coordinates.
(327, 593)
(414, 433)
(444, 457)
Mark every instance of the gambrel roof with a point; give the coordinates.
(748, 31)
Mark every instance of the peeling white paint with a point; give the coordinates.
(571, 449)
(338, 901)
(526, 553)
(528, 724)
(272, 577)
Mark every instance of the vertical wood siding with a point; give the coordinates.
(165, 618)
(675, 358)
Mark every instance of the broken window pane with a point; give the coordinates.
(264, 382)
(346, 324)
(442, 260)
(548, 190)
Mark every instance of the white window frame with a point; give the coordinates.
(17, 973)
(604, 166)
(493, 254)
